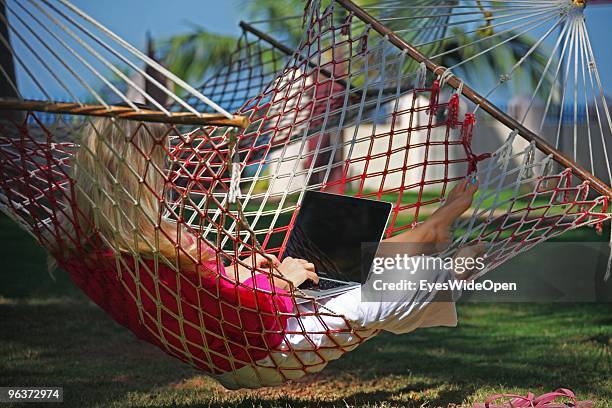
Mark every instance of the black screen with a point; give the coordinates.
(329, 230)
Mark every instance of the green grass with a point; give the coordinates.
(50, 335)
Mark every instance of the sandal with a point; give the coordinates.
(548, 400)
(543, 401)
(517, 401)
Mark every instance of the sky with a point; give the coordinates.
(132, 19)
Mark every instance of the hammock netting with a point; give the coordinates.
(348, 112)
(541, 67)
(249, 69)
(540, 64)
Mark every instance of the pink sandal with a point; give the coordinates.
(517, 401)
(548, 400)
(543, 401)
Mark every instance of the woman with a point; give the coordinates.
(167, 285)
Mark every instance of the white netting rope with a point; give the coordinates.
(150, 204)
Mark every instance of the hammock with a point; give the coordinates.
(553, 72)
(228, 194)
(551, 85)
(255, 61)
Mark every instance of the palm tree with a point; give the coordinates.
(192, 56)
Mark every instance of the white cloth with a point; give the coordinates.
(325, 333)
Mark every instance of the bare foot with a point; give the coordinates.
(470, 251)
(458, 201)
(436, 229)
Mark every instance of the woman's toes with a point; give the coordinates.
(473, 186)
(463, 185)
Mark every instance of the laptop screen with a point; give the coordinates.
(330, 229)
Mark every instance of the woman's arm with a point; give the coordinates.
(293, 270)
(434, 232)
(243, 270)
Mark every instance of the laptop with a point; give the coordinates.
(329, 231)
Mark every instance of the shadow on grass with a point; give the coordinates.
(71, 343)
(50, 335)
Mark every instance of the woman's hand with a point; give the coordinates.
(264, 261)
(261, 262)
(296, 271)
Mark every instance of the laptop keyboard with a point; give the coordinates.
(323, 284)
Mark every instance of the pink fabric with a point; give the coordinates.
(517, 401)
(226, 323)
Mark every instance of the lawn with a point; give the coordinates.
(50, 335)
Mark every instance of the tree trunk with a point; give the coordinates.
(8, 66)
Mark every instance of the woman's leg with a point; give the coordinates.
(436, 229)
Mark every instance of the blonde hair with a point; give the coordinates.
(119, 173)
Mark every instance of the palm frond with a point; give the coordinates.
(193, 55)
